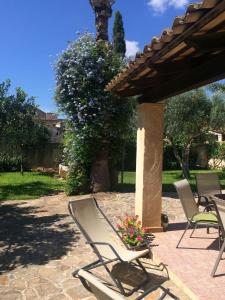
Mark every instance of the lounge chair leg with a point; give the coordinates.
(119, 285)
(117, 282)
(167, 292)
(218, 259)
(219, 238)
(188, 225)
(195, 227)
(142, 267)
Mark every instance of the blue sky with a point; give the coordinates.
(33, 32)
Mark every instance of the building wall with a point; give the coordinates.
(47, 156)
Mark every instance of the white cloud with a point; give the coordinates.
(178, 3)
(160, 6)
(132, 48)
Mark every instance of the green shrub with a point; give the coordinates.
(76, 182)
(9, 162)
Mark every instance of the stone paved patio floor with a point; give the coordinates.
(39, 248)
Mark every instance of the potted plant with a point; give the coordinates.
(132, 232)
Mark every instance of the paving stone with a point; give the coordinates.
(69, 283)
(52, 274)
(18, 284)
(4, 280)
(77, 292)
(10, 294)
(31, 294)
(44, 287)
(59, 297)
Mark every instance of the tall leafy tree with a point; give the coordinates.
(217, 121)
(97, 120)
(119, 45)
(20, 128)
(187, 118)
(103, 11)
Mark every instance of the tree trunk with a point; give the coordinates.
(101, 23)
(100, 170)
(123, 162)
(103, 11)
(185, 161)
(177, 156)
(21, 166)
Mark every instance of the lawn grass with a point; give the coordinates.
(32, 185)
(168, 178)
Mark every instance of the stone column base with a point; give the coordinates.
(154, 229)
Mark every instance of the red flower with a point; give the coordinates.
(139, 238)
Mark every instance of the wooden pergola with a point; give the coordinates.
(188, 55)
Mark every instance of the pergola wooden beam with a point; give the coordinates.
(212, 70)
(208, 42)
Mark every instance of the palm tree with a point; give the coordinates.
(103, 11)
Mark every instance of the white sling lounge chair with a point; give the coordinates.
(103, 239)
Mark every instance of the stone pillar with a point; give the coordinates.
(149, 165)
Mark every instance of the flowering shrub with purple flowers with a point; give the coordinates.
(82, 72)
(132, 230)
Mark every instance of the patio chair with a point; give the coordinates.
(207, 184)
(220, 210)
(102, 292)
(103, 239)
(192, 213)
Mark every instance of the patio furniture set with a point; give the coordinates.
(109, 247)
(210, 196)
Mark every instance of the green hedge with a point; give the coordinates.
(169, 161)
(9, 163)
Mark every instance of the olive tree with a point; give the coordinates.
(187, 118)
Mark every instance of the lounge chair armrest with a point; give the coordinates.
(105, 244)
(209, 207)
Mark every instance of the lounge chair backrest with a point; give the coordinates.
(220, 210)
(208, 184)
(186, 197)
(93, 225)
(101, 291)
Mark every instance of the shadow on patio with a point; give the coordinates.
(29, 236)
